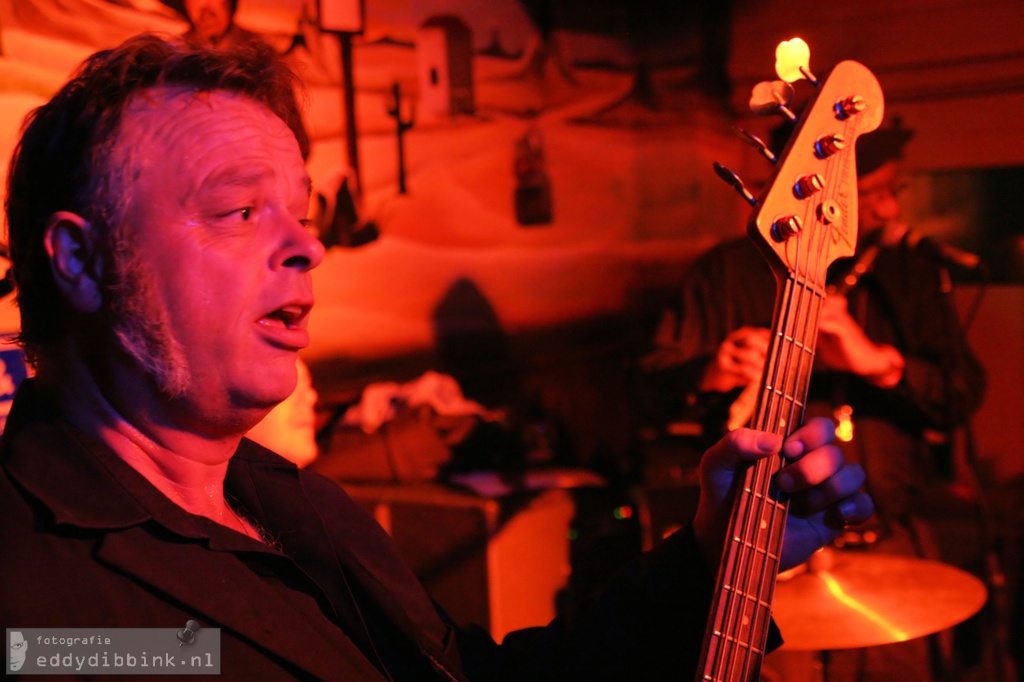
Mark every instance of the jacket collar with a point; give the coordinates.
(102, 496)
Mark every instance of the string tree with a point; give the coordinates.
(829, 212)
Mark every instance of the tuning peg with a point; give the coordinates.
(807, 185)
(772, 97)
(786, 227)
(792, 61)
(734, 181)
(827, 145)
(755, 142)
(850, 106)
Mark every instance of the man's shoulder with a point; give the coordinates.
(733, 248)
(738, 256)
(45, 563)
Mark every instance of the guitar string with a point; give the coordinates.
(776, 399)
(749, 564)
(765, 507)
(752, 508)
(782, 393)
(778, 394)
(752, 514)
(737, 560)
(803, 324)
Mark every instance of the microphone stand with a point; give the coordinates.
(994, 575)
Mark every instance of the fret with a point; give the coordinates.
(724, 677)
(746, 645)
(737, 540)
(727, 677)
(792, 399)
(816, 288)
(758, 600)
(795, 342)
(756, 494)
(759, 493)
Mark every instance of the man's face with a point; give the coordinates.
(218, 291)
(877, 197)
(211, 18)
(19, 650)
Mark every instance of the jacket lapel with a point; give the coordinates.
(283, 499)
(216, 586)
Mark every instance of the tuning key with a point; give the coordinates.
(734, 181)
(756, 142)
(772, 97)
(785, 227)
(851, 106)
(792, 61)
(827, 145)
(808, 185)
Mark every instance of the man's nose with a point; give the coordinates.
(300, 249)
(888, 207)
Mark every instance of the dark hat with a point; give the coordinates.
(873, 149)
(881, 146)
(179, 6)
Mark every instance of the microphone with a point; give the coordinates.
(944, 253)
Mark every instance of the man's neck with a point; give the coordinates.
(187, 467)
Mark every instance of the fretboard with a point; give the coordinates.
(734, 644)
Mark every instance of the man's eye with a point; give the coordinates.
(245, 213)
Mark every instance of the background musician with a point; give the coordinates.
(892, 367)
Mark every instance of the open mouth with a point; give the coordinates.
(288, 317)
(285, 327)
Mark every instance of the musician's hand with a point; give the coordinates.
(843, 346)
(738, 361)
(824, 489)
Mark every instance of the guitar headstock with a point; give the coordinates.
(807, 215)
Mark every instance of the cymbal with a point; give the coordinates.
(848, 600)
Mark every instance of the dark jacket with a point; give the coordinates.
(900, 301)
(89, 543)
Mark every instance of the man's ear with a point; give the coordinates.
(71, 244)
